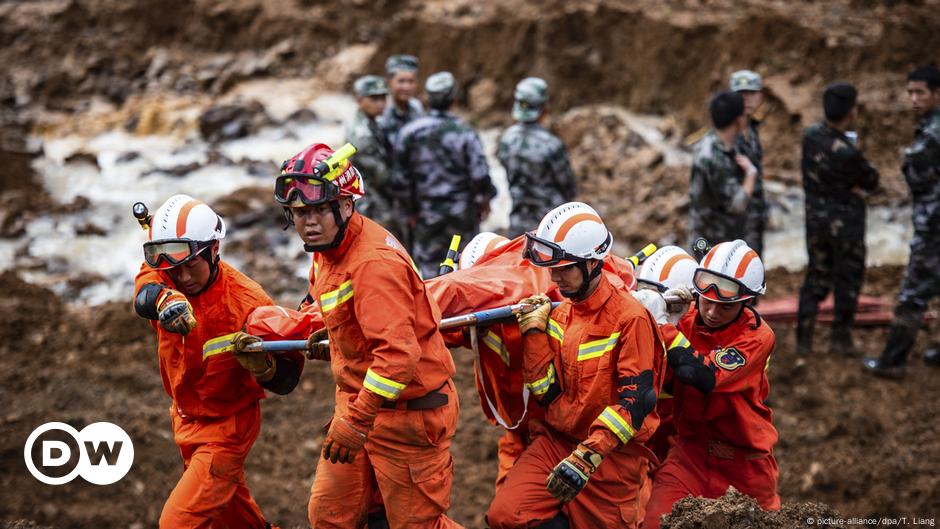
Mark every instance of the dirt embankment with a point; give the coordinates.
(649, 57)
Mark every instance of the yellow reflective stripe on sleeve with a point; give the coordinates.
(540, 386)
(597, 348)
(334, 298)
(380, 385)
(555, 330)
(767, 363)
(680, 341)
(615, 423)
(218, 345)
(497, 346)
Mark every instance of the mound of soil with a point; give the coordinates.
(737, 511)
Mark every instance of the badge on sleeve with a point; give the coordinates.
(729, 359)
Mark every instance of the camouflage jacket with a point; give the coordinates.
(750, 146)
(832, 167)
(921, 169)
(392, 120)
(438, 157)
(537, 167)
(717, 202)
(373, 153)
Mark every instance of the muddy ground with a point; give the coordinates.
(862, 446)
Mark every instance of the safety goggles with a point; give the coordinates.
(169, 253)
(646, 284)
(310, 190)
(719, 287)
(545, 253)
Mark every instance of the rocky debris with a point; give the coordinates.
(737, 511)
(640, 197)
(81, 157)
(249, 206)
(228, 122)
(23, 524)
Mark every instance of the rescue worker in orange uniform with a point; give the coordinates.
(668, 271)
(191, 296)
(504, 398)
(725, 433)
(396, 406)
(594, 362)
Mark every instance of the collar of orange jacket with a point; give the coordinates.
(597, 298)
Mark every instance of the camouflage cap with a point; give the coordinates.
(746, 81)
(530, 97)
(401, 63)
(370, 85)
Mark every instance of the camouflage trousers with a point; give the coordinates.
(433, 231)
(754, 234)
(922, 277)
(835, 241)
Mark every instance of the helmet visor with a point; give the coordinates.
(545, 253)
(294, 189)
(719, 287)
(646, 284)
(165, 254)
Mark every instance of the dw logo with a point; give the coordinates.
(102, 453)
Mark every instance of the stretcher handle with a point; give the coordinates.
(482, 317)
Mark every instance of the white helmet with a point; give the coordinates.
(730, 272)
(668, 267)
(180, 229)
(481, 244)
(570, 233)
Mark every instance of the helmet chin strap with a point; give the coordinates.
(586, 278)
(213, 268)
(338, 238)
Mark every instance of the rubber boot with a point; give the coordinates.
(892, 360)
(804, 336)
(842, 341)
(560, 521)
(932, 356)
(377, 520)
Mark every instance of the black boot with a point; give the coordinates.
(932, 356)
(804, 336)
(560, 521)
(892, 360)
(842, 341)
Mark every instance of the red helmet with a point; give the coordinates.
(300, 184)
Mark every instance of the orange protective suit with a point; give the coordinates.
(392, 372)
(598, 370)
(724, 438)
(499, 278)
(215, 413)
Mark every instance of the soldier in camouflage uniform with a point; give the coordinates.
(373, 155)
(402, 77)
(722, 179)
(536, 161)
(441, 171)
(834, 176)
(750, 85)
(921, 170)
